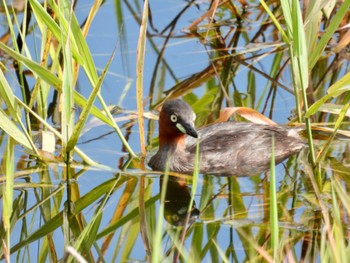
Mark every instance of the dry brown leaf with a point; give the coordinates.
(247, 113)
(344, 41)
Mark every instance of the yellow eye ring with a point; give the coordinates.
(173, 118)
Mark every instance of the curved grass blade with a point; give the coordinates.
(328, 34)
(36, 68)
(333, 108)
(93, 11)
(275, 21)
(88, 236)
(51, 79)
(338, 88)
(81, 204)
(12, 130)
(221, 252)
(76, 149)
(91, 72)
(124, 201)
(8, 125)
(338, 123)
(7, 95)
(132, 214)
(87, 108)
(80, 50)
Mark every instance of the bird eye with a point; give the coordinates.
(173, 118)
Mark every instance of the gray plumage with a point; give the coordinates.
(227, 148)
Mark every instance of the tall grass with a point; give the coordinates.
(140, 59)
(306, 46)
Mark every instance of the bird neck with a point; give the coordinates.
(177, 141)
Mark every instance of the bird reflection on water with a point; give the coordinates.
(177, 201)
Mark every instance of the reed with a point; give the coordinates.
(295, 51)
(273, 206)
(140, 60)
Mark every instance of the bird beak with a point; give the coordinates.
(187, 128)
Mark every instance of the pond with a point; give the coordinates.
(75, 184)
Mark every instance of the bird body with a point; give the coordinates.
(226, 148)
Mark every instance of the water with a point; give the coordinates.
(118, 209)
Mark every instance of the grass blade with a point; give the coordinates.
(140, 60)
(80, 204)
(7, 198)
(273, 205)
(7, 95)
(80, 52)
(36, 68)
(88, 106)
(67, 101)
(338, 88)
(328, 34)
(12, 130)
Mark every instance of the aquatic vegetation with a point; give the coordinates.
(80, 84)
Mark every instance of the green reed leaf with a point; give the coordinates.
(12, 130)
(81, 53)
(337, 125)
(276, 22)
(87, 108)
(87, 237)
(79, 205)
(68, 82)
(7, 197)
(127, 218)
(338, 88)
(341, 86)
(328, 34)
(7, 95)
(36, 68)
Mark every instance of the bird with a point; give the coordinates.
(225, 148)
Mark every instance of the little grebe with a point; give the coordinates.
(226, 148)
